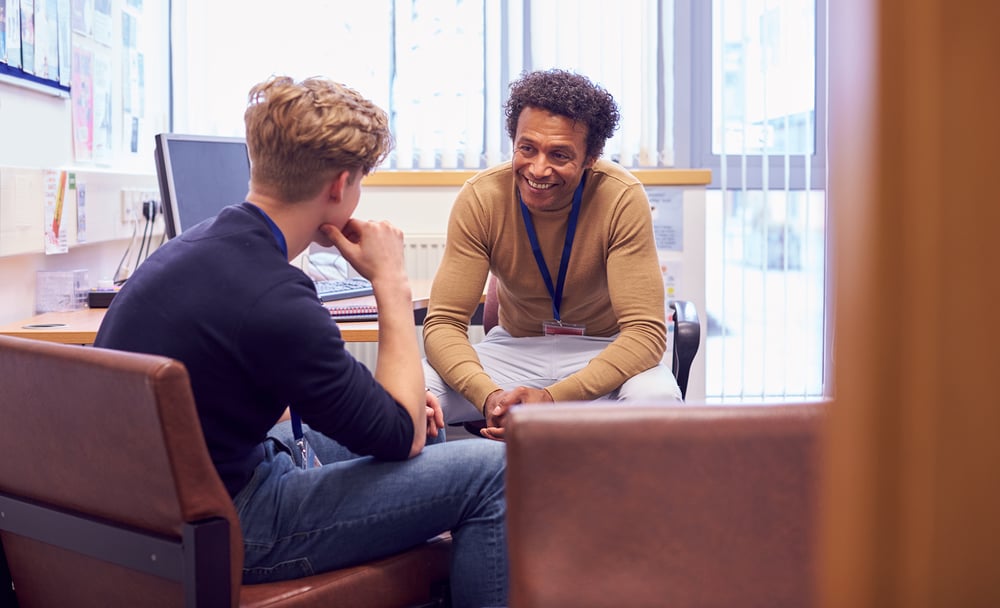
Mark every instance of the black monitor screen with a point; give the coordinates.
(198, 176)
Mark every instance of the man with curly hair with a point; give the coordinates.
(223, 299)
(569, 238)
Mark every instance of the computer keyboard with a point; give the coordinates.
(339, 289)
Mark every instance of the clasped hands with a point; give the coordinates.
(499, 402)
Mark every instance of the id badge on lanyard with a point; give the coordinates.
(555, 326)
(306, 458)
(558, 328)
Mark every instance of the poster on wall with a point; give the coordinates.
(3, 31)
(47, 39)
(83, 17)
(63, 35)
(56, 188)
(13, 32)
(671, 269)
(103, 145)
(81, 212)
(82, 95)
(667, 205)
(102, 26)
(35, 43)
(133, 79)
(129, 40)
(28, 36)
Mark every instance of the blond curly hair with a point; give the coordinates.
(301, 134)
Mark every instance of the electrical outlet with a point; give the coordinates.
(128, 206)
(132, 203)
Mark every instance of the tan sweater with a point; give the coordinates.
(613, 283)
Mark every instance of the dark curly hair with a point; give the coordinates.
(567, 94)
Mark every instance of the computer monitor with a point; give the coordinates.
(198, 176)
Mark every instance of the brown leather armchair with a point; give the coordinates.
(108, 496)
(674, 506)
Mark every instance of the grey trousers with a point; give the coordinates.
(537, 362)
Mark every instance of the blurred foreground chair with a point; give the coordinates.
(656, 505)
(108, 496)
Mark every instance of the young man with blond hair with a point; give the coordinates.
(223, 299)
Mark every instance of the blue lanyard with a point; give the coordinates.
(283, 245)
(555, 292)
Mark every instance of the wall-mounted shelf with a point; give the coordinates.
(19, 78)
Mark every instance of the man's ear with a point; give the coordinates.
(336, 189)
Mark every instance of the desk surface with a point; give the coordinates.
(80, 326)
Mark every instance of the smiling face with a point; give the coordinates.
(550, 156)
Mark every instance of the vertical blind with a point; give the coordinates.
(439, 67)
(766, 283)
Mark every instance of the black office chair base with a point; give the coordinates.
(474, 426)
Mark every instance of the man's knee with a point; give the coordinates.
(655, 384)
(489, 456)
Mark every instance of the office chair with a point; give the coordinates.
(109, 497)
(687, 338)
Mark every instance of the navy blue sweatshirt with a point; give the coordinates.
(223, 299)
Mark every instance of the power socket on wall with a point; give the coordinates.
(132, 200)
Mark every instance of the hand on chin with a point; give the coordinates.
(321, 238)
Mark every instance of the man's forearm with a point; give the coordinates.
(398, 367)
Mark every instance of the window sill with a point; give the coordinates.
(649, 177)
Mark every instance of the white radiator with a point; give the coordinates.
(423, 255)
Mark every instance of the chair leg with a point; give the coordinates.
(7, 596)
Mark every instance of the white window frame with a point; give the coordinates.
(748, 173)
(694, 32)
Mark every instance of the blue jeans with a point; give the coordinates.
(297, 522)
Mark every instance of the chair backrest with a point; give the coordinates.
(686, 324)
(663, 505)
(687, 340)
(491, 306)
(113, 439)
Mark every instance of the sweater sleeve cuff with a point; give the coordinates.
(567, 390)
(479, 389)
